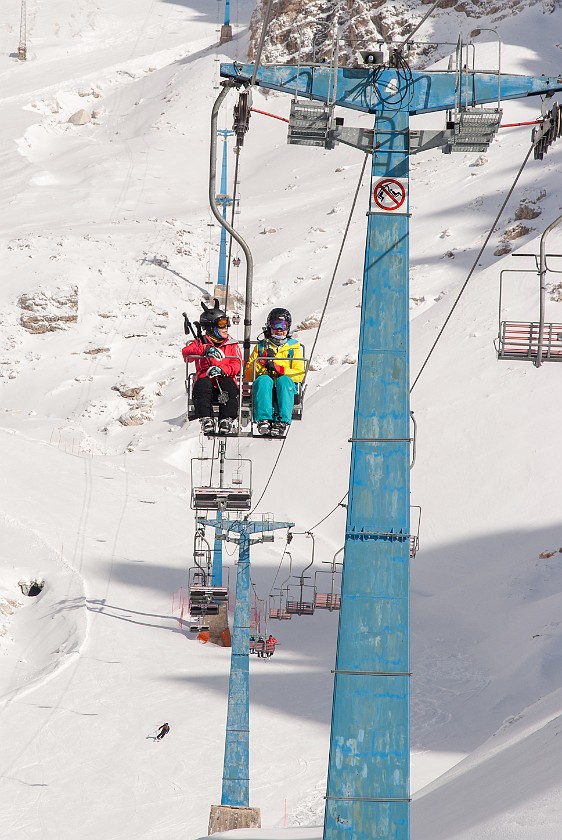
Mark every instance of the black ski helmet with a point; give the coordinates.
(276, 314)
(209, 317)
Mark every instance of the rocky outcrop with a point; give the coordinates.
(303, 31)
(49, 311)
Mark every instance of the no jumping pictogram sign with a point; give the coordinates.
(389, 194)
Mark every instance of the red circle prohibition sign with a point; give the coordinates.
(389, 194)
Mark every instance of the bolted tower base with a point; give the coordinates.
(227, 817)
(226, 34)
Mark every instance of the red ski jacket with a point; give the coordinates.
(230, 365)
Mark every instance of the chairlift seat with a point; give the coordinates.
(519, 340)
(199, 628)
(208, 593)
(327, 601)
(300, 607)
(203, 608)
(280, 614)
(227, 498)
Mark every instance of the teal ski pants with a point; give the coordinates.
(273, 398)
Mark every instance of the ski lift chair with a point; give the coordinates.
(236, 497)
(278, 612)
(328, 600)
(533, 341)
(304, 605)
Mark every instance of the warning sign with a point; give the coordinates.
(390, 193)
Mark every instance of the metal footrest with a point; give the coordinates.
(475, 130)
(519, 340)
(310, 124)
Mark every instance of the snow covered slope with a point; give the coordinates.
(105, 241)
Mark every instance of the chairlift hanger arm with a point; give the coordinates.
(358, 88)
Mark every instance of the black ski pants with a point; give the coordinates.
(206, 392)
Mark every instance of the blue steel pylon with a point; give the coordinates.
(236, 772)
(368, 794)
(223, 200)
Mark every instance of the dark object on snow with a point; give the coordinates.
(164, 729)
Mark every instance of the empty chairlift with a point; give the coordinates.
(330, 600)
(204, 599)
(532, 341)
(278, 603)
(225, 486)
(304, 602)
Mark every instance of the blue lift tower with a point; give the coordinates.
(368, 789)
(226, 28)
(224, 201)
(234, 810)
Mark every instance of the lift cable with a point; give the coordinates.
(279, 567)
(332, 281)
(475, 263)
(321, 318)
(262, 41)
(341, 503)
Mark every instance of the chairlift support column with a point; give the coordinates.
(226, 28)
(236, 774)
(224, 201)
(368, 796)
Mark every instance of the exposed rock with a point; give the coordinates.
(138, 415)
(503, 250)
(129, 392)
(304, 31)
(49, 311)
(527, 211)
(516, 232)
(309, 323)
(94, 351)
(81, 117)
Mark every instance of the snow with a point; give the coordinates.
(105, 237)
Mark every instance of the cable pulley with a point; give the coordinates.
(241, 112)
(547, 131)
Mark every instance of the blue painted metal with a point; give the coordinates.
(223, 200)
(431, 90)
(367, 795)
(216, 571)
(368, 775)
(236, 768)
(227, 13)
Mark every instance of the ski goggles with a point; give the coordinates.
(280, 324)
(222, 323)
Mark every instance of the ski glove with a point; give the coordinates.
(213, 352)
(273, 369)
(214, 371)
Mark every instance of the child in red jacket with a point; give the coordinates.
(218, 362)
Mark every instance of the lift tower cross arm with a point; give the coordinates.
(368, 789)
(363, 89)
